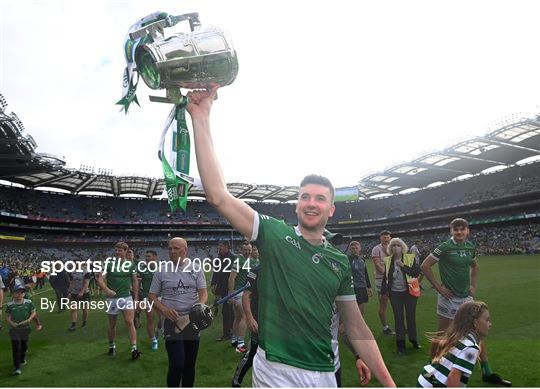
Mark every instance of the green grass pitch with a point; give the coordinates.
(509, 284)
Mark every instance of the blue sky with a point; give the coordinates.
(338, 88)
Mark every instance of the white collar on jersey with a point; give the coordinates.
(299, 233)
(453, 240)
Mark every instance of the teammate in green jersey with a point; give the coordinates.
(117, 281)
(237, 279)
(458, 268)
(19, 313)
(301, 275)
(145, 276)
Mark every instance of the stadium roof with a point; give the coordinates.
(514, 141)
(17, 151)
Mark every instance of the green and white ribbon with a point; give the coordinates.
(176, 174)
(129, 80)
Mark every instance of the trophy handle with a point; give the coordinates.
(193, 19)
(156, 28)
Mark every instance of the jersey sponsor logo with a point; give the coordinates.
(316, 258)
(294, 242)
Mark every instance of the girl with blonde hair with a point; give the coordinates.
(457, 347)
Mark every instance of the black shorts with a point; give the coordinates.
(361, 295)
(74, 297)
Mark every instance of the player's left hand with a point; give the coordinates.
(472, 291)
(370, 292)
(364, 373)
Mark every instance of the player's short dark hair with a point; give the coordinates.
(246, 242)
(459, 222)
(318, 180)
(153, 252)
(385, 232)
(224, 243)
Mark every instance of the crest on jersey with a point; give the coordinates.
(335, 267)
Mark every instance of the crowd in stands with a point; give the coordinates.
(519, 179)
(101, 209)
(495, 240)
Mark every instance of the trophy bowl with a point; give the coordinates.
(188, 60)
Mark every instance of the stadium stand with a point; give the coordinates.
(49, 211)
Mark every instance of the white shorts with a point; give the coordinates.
(117, 306)
(267, 374)
(238, 298)
(448, 307)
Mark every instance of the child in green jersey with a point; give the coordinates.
(19, 313)
(457, 347)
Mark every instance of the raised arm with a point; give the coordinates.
(237, 212)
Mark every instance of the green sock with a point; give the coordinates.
(112, 344)
(486, 370)
(133, 347)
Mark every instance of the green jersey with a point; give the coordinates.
(298, 283)
(119, 277)
(455, 262)
(20, 312)
(146, 281)
(242, 266)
